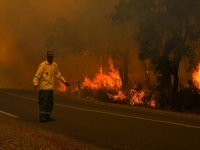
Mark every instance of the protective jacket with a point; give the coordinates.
(45, 75)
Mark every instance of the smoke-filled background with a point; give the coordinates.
(28, 29)
(22, 27)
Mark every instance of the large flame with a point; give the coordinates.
(110, 80)
(196, 77)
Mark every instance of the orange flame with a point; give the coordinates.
(62, 87)
(196, 77)
(110, 81)
(119, 96)
(152, 103)
(136, 97)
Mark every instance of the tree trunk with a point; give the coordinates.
(175, 88)
(125, 69)
(125, 82)
(147, 78)
(176, 80)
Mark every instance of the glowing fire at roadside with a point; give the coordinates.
(152, 103)
(119, 96)
(136, 97)
(110, 81)
(196, 77)
(62, 87)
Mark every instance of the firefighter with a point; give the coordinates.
(44, 82)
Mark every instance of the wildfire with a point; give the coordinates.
(152, 103)
(196, 76)
(62, 87)
(136, 97)
(119, 96)
(110, 81)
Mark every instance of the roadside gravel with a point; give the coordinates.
(17, 135)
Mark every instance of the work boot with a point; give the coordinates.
(43, 119)
(48, 118)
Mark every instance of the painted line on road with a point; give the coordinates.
(18, 96)
(115, 114)
(101, 103)
(139, 118)
(8, 114)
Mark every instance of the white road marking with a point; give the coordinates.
(108, 113)
(18, 96)
(140, 118)
(8, 114)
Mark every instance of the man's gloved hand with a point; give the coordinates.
(66, 84)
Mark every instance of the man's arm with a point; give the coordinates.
(61, 78)
(37, 76)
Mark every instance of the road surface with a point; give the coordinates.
(109, 126)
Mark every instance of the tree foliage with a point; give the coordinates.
(167, 32)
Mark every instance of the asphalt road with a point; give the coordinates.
(109, 126)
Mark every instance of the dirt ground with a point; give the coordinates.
(17, 135)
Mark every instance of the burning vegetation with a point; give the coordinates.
(61, 87)
(196, 77)
(110, 80)
(107, 86)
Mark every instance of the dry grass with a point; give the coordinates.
(16, 135)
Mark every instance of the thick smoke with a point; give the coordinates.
(24, 30)
(22, 41)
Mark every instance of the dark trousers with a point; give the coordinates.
(46, 102)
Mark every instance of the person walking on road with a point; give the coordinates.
(44, 82)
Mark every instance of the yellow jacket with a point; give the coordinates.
(45, 74)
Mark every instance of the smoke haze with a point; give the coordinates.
(22, 39)
(23, 26)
